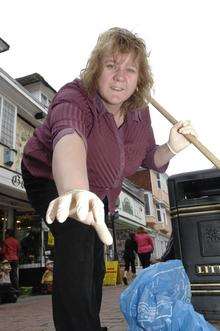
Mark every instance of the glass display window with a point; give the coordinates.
(28, 232)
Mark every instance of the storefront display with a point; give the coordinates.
(37, 246)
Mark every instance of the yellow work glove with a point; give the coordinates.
(83, 206)
(177, 142)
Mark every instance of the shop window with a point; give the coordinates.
(7, 122)
(36, 241)
(28, 232)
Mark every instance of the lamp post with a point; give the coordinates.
(3, 46)
(114, 216)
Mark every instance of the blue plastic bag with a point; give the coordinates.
(159, 300)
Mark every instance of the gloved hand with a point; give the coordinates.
(84, 206)
(177, 142)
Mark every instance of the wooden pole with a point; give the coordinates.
(204, 150)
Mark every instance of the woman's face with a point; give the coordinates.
(118, 80)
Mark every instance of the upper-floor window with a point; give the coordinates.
(44, 100)
(149, 209)
(147, 206)
(159, 218)
(158, 180)
(162, 182)
(7, 122)
(161, 213)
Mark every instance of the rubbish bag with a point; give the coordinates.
(159, 299)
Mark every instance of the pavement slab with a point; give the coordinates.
(34, 313)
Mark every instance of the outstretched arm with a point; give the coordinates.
(69, 164)
(75, 200)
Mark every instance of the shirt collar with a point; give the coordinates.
(134, 115)
(100, 105)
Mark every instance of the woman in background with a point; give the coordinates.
(145, 246)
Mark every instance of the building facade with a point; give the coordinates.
(153, 186)
(142, 202)
(20, 113)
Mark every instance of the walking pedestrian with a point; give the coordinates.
(97, 132)
(129, 257)
(11, 249)
(145, 246)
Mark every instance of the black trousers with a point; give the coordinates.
(14, 274)
(144, 259)
(130, 261)
(7, 293)
(78, 266)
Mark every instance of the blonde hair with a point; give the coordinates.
(120, 41)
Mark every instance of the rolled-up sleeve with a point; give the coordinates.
(67, 118)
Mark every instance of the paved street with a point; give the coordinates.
(33, 313)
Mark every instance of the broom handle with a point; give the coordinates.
(205, 151)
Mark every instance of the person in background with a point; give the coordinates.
(145, 246)
(97, 132)
(5, 270)
(11, 249)
(129, 257)
(30, 245)
(47, 278)
(8, 294)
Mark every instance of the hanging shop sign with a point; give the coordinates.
(11, 179)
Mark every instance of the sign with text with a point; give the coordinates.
(112, 275)
(11, 179)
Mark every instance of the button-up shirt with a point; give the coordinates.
(112, 153)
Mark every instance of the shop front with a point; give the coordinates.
(36, 241)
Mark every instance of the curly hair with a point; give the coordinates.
(120, 41)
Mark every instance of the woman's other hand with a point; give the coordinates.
(177, 142)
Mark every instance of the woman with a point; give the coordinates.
(97, 132)
(129, 257)
(145, 246)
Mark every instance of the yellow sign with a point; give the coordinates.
(112, 275)
(50, 240)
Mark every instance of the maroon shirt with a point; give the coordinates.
(112, 153)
